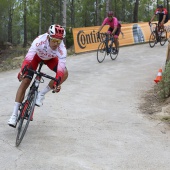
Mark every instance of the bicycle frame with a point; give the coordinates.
(108, 37)
(154, 29)
(27, 107)
(156, 35)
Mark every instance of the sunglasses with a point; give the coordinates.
(55, 40)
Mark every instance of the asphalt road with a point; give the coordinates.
(94, 123)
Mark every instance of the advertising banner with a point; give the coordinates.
(85, 38)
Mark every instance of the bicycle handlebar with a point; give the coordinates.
(44, 75)
(41, 74)
(153, 23)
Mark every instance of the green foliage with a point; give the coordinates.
(80, 13)
(69, 37)
(164, 84)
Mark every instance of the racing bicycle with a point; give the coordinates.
(26, 109)
(156, 36)
(107, 47)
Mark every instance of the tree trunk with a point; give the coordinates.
(64, 12)
(107, 5)
(40, 18)
(72, 14)
(25, 23)
(97, 13)
(10, 14)
(61, 6)
(168, 8)
(64, 15)
(123, 10)
(135, 15)
(115, 11)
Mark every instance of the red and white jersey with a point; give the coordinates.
(41, 47)
(163, 12)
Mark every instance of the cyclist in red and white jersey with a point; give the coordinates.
(114, 29)
(163, 16)
(50, 48)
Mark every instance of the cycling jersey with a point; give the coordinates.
(161, 14)
(41, 48)
(114, 23)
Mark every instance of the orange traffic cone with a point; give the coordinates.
(159, 76)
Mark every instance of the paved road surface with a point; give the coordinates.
(94, 122)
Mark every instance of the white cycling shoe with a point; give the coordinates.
(13, 120)
(39, 100)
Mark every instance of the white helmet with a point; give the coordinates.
(56, 31)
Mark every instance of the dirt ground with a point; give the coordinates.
(155, 107)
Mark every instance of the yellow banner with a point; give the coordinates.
(85, 38)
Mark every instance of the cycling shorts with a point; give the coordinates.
(52, 64)
(110, 30)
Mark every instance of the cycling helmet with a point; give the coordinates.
(56, 31)
(110, 14)
(160, 6)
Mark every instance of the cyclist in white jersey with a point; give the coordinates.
(50, 48)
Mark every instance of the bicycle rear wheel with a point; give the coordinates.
(25, 115)
(114, 52)
(163, 39)
(152, 40)
(101, 52)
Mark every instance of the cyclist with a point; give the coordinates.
(163, 17)
(114, 28)
(48, 47)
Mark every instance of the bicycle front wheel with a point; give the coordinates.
(25, 116)
(114, 52)
(101, 52)
(152, 40)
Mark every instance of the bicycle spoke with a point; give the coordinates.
(101, 52)
(114, 52)
(152, 40)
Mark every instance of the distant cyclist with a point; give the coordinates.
(114, 29)
(163, 17)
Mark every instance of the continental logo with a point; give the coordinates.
(84, 39)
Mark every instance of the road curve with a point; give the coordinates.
(94, 122)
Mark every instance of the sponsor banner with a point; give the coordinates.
(85, 38)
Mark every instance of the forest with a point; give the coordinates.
(23, 20)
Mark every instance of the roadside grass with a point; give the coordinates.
(163, 88)
(11, 58)
(166, 119)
